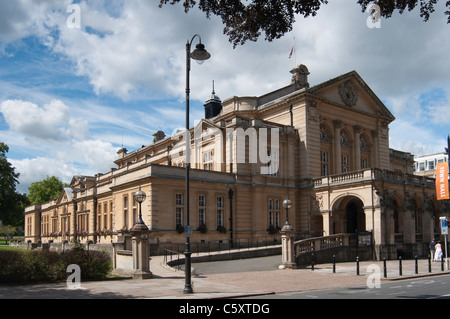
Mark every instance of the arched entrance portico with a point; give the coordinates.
(348, 215)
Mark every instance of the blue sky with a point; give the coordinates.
(70, 97)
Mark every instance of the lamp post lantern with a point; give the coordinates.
(200, 55)
(287, 204)
(139, 197)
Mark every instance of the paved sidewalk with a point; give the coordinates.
(169, 284)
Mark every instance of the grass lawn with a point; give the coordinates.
(4, 241)
(4, 247)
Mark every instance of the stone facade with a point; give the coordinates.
(325, 147)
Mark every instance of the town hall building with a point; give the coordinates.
(325, 147)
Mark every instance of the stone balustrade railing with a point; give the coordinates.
(373, 174)
(311, 245)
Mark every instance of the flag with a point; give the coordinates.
(442, 181)
(292, 51)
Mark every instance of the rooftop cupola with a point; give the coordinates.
(300, 77)
(213, 106)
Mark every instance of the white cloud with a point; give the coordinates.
(36, 169)
(136, 51)
(133, 47)
(86, 157)
(50, 122)
(65, 140)
(414, 138)
(96, 154)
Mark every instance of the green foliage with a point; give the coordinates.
(12, 204)
(49, 266)
(246, 20)
(45, 190)
(7, 230)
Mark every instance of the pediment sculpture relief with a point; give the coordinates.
(348, 93)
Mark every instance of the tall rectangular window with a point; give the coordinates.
(105, 215)
(220, 211)
(99, 217)
(134, 215)
(111, 212)
(125, 212)
(364, 163)
(208, 160)
(345, 164)
(274, 213)
(201, 210)
(179, 209)
(324, 163)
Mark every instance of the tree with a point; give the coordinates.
(245, 20)
(12, 204)
(45, 190)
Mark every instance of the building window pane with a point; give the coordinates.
(220, 211)
(179, 209)
(201, 210)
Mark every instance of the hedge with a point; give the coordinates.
(49, 266)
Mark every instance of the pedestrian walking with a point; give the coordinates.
(438, 253)
(432, 248)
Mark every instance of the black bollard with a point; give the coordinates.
(357, 266)
(442, 263)
(429, 263)
(417, 264)
(400, 270)
(384, 267)
(312, 261)
(334, 264)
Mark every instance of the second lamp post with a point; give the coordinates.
(200, 55)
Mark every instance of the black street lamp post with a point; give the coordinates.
(200, 55)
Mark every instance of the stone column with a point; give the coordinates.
(141, 252)
(337, 146)
(357, 147)
(428, 226)
(287, 246)
(376, 220)
(409, 231)
(327, 223)
(369, 217)
(374, 150)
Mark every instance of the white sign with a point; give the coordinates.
(188, 231)
(444, 225)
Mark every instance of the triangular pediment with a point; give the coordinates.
(350, 91)
(65, 196)
(80, 182)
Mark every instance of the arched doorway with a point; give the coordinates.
(355, 217)
(348, 215)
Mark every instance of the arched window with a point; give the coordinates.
(325, 135)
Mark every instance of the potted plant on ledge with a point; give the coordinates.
(202, 228)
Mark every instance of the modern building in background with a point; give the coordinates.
(426, 165)
(325, 147)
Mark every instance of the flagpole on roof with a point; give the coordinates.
(294, 53)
